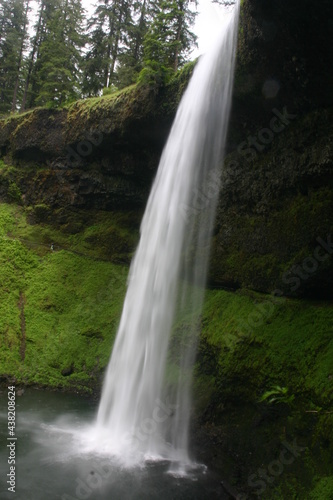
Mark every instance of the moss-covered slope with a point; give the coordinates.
(276, 193)
(61, 297)
(59, 311)
(77, 180)
(264, 378)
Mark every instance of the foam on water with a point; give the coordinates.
(144, 412)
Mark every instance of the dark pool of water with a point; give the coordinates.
(50, 465)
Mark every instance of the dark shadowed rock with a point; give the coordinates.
(276, 196)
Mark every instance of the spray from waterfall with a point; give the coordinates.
(145, 404)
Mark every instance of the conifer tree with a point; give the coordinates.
(30, 83)
(124, 36)
(22, 46)
(109, 29)
(169, 39)
(13, 33)
(46, 12)
(59, 57)
(131, 55)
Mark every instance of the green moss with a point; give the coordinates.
(99, 105)
(42, 212)
(323, 490)
(72, 310)
(17, 116)
(290, 343)
(72, 306)
(14, 192)
(67, 297)
(262, 248)
(249, 343)
(110, 236)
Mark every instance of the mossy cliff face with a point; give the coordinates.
(276, 197)
(275, 211)
(276, 192)
(98, 153)
(78, 178)
(263, 383)
(59, 312)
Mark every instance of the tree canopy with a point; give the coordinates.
(60, 55)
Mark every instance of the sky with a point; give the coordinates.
(209, 22)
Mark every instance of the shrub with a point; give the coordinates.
(14, 192)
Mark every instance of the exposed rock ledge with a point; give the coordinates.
(276, 198)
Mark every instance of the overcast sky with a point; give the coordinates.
(209, 22)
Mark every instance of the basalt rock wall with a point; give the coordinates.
(276, 192)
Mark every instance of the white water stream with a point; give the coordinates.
(143, 409)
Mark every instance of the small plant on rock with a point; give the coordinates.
(277, 395)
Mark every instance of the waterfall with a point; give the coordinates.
(145, 404)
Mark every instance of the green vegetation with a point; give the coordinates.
(277, 395)
(290, 344)
(300, 220)
(252, 344)
(14, 192)
(105, 105)
(72, 304)
(64, 56)
(169, 39)
(264, 244)
(323, 490)
(59, 311)
(263, 374)
(289, 340)
(107, 236)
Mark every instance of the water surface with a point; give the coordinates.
(53, 459)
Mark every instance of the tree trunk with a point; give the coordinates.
(178, 36)
(24, 34)
(32, 57)
(138, 41)
(109, 51)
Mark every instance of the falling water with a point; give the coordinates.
(143, 410)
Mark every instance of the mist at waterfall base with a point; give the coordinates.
(142, 425)
(145, 405)
(52, 463)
